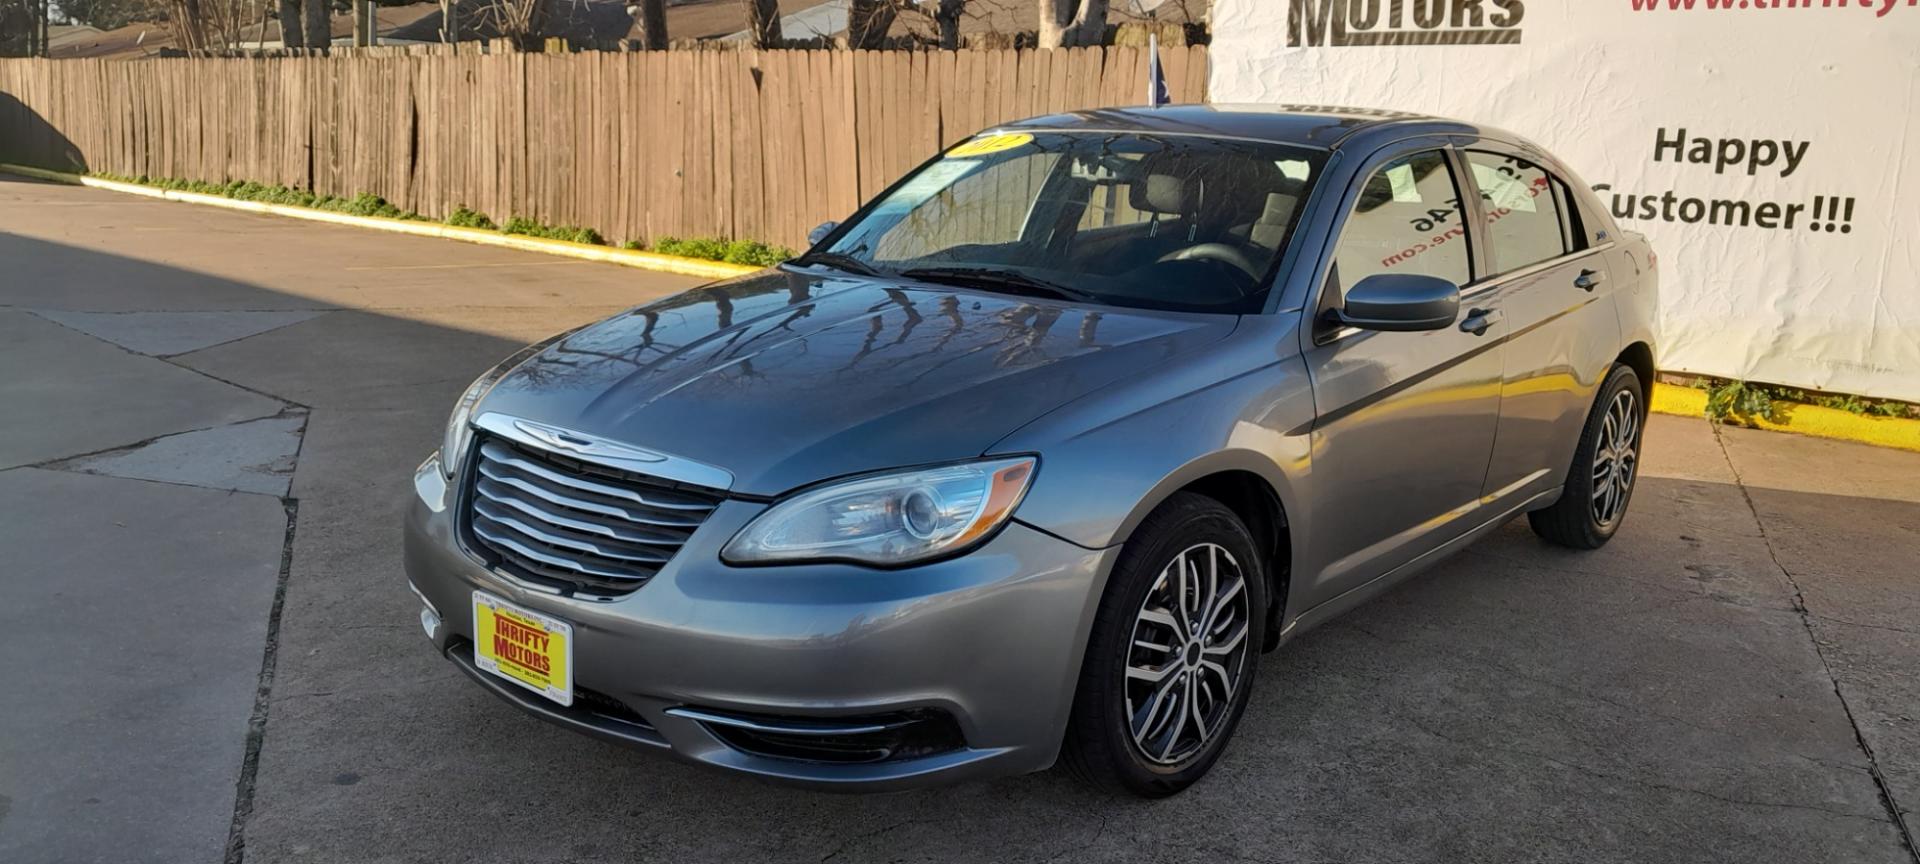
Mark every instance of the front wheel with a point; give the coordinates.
(1170, 661)
(1605, 466)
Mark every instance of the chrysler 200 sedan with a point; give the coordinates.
(1033, 457)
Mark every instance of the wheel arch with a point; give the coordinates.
(1639, 357)
(1258, 505)
(1258, 493)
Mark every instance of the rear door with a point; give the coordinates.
(1548, 276)
(1405, 420)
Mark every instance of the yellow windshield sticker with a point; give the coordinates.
(991, 144)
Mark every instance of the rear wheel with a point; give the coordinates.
(1605, 466)
(1170, 662)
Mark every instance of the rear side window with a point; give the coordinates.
(1527, 218)
(1407, 220)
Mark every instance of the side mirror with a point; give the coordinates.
(820, 232)
(1400, 301)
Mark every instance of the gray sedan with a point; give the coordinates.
(1033, 457)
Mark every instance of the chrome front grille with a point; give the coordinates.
(576, 525)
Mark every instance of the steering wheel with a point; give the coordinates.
(1220, 252)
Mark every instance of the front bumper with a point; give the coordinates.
(988, 644)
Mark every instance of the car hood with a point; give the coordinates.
(784, 378)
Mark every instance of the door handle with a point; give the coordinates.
(1478, 320)
(1589, 279)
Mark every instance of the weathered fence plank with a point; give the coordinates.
(637, 145)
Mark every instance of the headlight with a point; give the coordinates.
(453, 444)
(888, 519)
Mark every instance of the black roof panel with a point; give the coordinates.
(1285, 124)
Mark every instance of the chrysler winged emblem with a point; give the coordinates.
(583, 444)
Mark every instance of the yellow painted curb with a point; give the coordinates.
(607, 254)
(1896, 432)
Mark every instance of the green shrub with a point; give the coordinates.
(756, 253)
(1739, 400)
(576, 234)
(369, 204)
(1843, 402)
(749, 252)
(461, 217)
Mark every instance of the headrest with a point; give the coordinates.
(1164, 193)
(1279, 209)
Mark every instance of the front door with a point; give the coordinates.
(1405, 420)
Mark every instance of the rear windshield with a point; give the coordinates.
(1169, 222)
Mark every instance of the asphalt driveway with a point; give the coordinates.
(208, 427)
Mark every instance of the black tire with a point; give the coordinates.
(1576, 520)
(1100, 744)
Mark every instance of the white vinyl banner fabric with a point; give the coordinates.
(1769, 148)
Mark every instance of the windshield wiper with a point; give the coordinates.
(838, 261)
(1012, 281)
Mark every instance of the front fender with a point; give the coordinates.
(1109, 460)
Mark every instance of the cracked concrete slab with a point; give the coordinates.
(164, 333)
(363, 360)
(67, 393)
(132, 619)
(252, 456)
(1843, 522)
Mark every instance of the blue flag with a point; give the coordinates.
(1156, 79)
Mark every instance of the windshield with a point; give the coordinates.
(1168, 222)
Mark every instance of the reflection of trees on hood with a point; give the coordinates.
(585, 353)
(903, 328)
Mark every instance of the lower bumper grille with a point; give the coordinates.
(844, 741)
(552, 519)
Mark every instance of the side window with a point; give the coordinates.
(1526, 219)
(1408, 220)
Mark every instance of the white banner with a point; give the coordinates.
(1769, 148)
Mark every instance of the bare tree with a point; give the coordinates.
(763, 23)
(946, 15)
(188, 21)
(290, 35)
(523, 21)
(1067, 23)
(868, 22)
(16, 29)
(319, 23)
(652, 15)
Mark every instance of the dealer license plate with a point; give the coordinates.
(532, 650)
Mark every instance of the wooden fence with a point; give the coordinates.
(750, 144)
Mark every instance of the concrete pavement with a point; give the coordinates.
(1731, 680)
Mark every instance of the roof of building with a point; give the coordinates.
(134, 40)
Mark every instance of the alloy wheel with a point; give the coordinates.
(1615, 458)
(1188, 655)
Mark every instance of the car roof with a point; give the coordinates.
(1312, 126)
